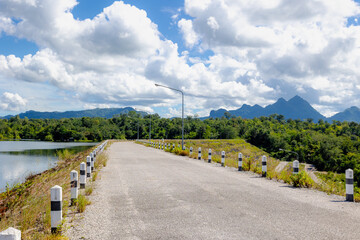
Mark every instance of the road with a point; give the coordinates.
(145, 193)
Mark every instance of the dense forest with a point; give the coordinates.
(329, 146)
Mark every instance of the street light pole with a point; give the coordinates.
(182, 115)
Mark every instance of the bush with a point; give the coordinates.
(302, 179)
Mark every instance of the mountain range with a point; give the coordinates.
(98, 112)
(295, 108)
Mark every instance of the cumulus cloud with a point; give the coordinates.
(186, 28)
(284, 46)
(101, 59)
(262, 49)
(12, 101)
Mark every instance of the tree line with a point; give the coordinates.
(329, 146)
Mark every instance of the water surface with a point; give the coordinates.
(19, 159)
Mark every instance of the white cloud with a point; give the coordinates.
(12, 101)
(186, 28)
(283, 47)
(262, 49)
(100, 59)
(212, 23)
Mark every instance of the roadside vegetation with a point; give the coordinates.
(26, 206)
(331, 147)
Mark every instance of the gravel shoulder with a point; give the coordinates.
(146, 193)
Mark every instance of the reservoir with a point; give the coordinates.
(19, 159)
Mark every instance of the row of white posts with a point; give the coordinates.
(349, 174)
(56, 195)
(56, 191)
(164, 146)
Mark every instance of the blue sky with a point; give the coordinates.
(58, 55)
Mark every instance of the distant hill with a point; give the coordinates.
(295, 108)
(351, 115)
(98, 112)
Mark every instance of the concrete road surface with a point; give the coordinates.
(145, 193)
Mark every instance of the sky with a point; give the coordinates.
(59, 55)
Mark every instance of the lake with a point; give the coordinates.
(18, 159)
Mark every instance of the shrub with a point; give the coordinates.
(82, 202)
(302, 179)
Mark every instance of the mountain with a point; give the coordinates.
(351, 115)
(295, 108)
(98, 112)
(217, 113)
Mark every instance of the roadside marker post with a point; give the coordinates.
(92, 161)
(74, 186)
(264, 167)
(240, 162)
(94, 156)
(296, 167)
(209, 156)
(88, 165)
(199, 153)
(191, 150)
(349, 174)
(10, 234)
(223, 158)
(56, 208)
(82, 175)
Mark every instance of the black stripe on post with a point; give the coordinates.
(350, 197)
(82, 172)
(350, 181)
(88, 164)
(264, 163)
(73, 184)
(56, 206)
(88, 174)
(82, 185)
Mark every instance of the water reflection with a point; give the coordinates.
(20, 159)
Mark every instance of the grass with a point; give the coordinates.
(89, 189)
(94, 176)
(82, 202)
(334, 183)
(26, 206)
